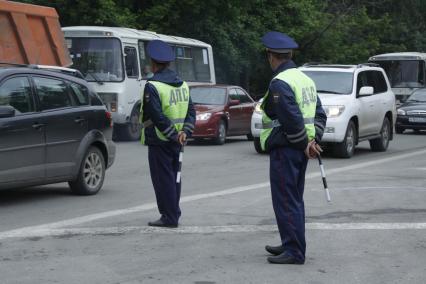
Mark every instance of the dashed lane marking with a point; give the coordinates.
(26, 231)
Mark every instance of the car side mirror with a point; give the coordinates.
(7, 111)
(234, 102)
(366, 91)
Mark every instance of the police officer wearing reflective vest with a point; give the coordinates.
(293, 124)
(168, 118)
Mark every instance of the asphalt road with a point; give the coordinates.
(374, 231)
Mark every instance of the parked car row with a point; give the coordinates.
(55, 128)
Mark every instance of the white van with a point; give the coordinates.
(406, 71)
(115, 62)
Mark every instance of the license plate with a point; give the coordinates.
(417, 119)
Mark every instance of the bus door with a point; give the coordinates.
(133, 82)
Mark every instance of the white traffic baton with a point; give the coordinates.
(179, 173)
(324, 181)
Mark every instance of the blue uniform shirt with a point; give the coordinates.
(152, 109)
(282, 105)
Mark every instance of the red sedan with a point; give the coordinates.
(221, 111)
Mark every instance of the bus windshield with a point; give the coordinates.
(404, 73)
(99, 59)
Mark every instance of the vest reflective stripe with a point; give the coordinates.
(276, 123)
(174, 105)
(306, 98)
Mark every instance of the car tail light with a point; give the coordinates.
(109, 118)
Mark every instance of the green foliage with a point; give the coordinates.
(334, 31)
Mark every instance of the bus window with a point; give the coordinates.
(184, 63)
(201, 64)
(144, 60)
(131, 61)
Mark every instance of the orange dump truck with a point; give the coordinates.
(31, 34)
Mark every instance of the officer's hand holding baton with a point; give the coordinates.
(182, 142)
(314, 150)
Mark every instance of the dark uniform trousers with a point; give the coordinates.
(164, 165)
(287, 175)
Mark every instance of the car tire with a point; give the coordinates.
(132, 130)
(250, 137)
(91, 174)
(257, 145)
(220, 138)
(399, 130)
(346, 148)
(381, 144)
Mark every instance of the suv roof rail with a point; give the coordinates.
(325, 65)
(311, 63)
(369, 64)
(68, 71)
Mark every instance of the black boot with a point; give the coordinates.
(285, 258)
(161, 223)
(275, 250)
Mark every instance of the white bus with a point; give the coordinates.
(116, 64)
(406, 71)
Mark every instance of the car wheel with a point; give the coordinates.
(346, 148)
(221, 133)
(250, 137)
(91, 174)
(132, 130)
(257, 146)
(399, 130)
(381, 144)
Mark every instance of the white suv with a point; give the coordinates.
(359, 103)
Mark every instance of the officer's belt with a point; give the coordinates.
(149, 122)
(275, 123)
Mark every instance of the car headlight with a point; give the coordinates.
(401, 112)
(334, 111)
(203, 116)
(257, 108)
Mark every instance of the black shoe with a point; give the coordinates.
(275, 250)
(160, 223)
(284, 258)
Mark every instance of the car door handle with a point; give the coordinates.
(79, 120)
(38, 125)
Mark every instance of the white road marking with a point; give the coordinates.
(25, 231)
(385, 188)
(69, 232)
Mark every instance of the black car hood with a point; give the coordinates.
(413, 106)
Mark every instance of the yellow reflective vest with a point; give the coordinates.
(306, 98)
(174, 105)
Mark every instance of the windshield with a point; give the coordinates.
(332, 82)
(419, 96)
(99, 59)
(404, 73)
(208, 96)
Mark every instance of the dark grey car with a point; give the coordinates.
(53, 128)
